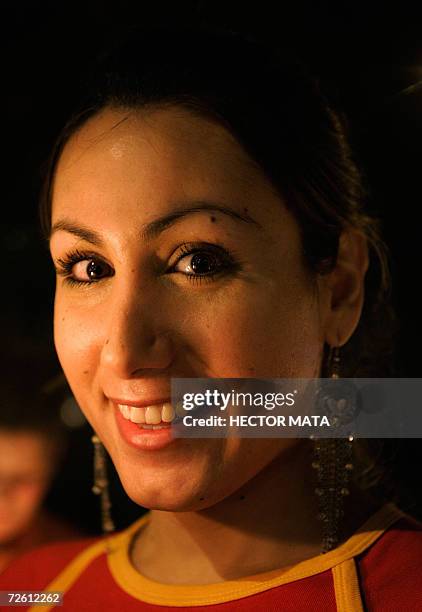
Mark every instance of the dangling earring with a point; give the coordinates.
(101, 484)
(333, 464)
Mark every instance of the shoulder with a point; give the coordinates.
(390, 569)
(35, 569)
(70, 559)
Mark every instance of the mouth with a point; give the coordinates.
(145, 427)
(154, 416)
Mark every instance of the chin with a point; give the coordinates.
(166, 502)
(11, 532)
(170, 497)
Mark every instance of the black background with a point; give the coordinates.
(369, 56)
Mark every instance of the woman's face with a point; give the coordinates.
(134, 308)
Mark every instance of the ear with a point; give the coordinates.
(343, 288)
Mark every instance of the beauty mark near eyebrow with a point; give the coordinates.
(154, 228)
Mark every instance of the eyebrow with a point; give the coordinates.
(154, 228)
(77, 230)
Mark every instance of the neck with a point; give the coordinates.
(267, 524)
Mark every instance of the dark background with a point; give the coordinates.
(369, 57)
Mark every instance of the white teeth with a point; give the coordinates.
(167, 412)
(125, 410)
(149, 415)
(137, 415)
(153, 415)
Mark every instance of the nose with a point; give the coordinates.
(136, 339)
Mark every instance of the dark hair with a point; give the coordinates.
(280, 116)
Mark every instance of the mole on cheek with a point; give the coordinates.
(212, 219)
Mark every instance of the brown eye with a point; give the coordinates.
(89, 271)
(201, 263)
(205, 262)
(97, 269)
(79, 268)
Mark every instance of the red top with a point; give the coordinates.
(44, 529)
(379, 569)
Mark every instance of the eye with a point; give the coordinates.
(83, 268)
(203, 262)
(90, 270)
(199, 263)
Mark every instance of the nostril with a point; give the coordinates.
(128, 353)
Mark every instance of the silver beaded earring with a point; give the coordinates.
(333, 464)
(100, 486)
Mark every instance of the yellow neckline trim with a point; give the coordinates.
(152, 592)
(346, 587)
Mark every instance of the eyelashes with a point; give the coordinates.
(96, 268)
(207, 261)
(204, 262)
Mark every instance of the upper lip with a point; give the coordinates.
(139, 403)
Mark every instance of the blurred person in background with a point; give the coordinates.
(33, 440)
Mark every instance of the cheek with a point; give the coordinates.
(76, 337)
(25, 501)
(31, 496)
(259, 333)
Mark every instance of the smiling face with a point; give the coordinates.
(220, 289)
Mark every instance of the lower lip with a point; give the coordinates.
(143, 439)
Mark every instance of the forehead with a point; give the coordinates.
(170, 152)
(124, 169)
(171, 136)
